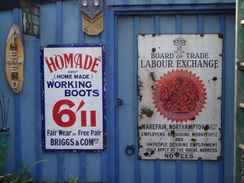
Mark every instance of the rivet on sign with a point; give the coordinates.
(84, 3)
(242, 22)
(19, 61)
(96, 2)
(14, 61)
(8, 61)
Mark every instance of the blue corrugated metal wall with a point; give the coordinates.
(61, 24)
(168, 23)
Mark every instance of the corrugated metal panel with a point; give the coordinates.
(169, 171)
(11, 4)
(61, 24)
(157, 2)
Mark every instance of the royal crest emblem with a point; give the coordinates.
(179, 95)
(179, 43)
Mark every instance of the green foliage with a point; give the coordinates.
(19, 177)
(4, 146)
(73, 180)
(2, 157)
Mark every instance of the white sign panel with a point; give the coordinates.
(179, 96)
(73, 103)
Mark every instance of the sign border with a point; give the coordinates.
(220, 35)
(44, 149)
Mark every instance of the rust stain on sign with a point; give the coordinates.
(146, 111)
(179, 96)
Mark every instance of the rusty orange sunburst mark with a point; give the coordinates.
(179, 95)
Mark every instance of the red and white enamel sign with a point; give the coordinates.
(73, 98)
(179, 96)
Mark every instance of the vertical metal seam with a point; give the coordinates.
(170, 1)
(112, 171)
(178, 171)
(110, 2)
(200, 30)
(200, 24)
(178, 24)
(39, 167)
(137, 162)
(82, 161)
(59, 41)
(147, 1)
(199, 171)
(157, 170)
(104, 155)
(221, 162)
(18, 149)
(81, 33)
(115, 74)
(59, 22)
(157, 24)
(125, 2)
(17, 113)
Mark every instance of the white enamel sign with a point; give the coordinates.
(179, 96)
(73, 98)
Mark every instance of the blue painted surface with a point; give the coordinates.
(153, 2)
(61, 23)
(174, 171)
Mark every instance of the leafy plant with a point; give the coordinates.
(2, 157)
(73, 180)
(18, 177)
(4, 147)
(4, 142)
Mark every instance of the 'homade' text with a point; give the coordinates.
(71, 60)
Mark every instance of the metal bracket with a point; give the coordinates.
(92, 16)
(92, 26)
(119, 102)
(130, 150)
(91, 8)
